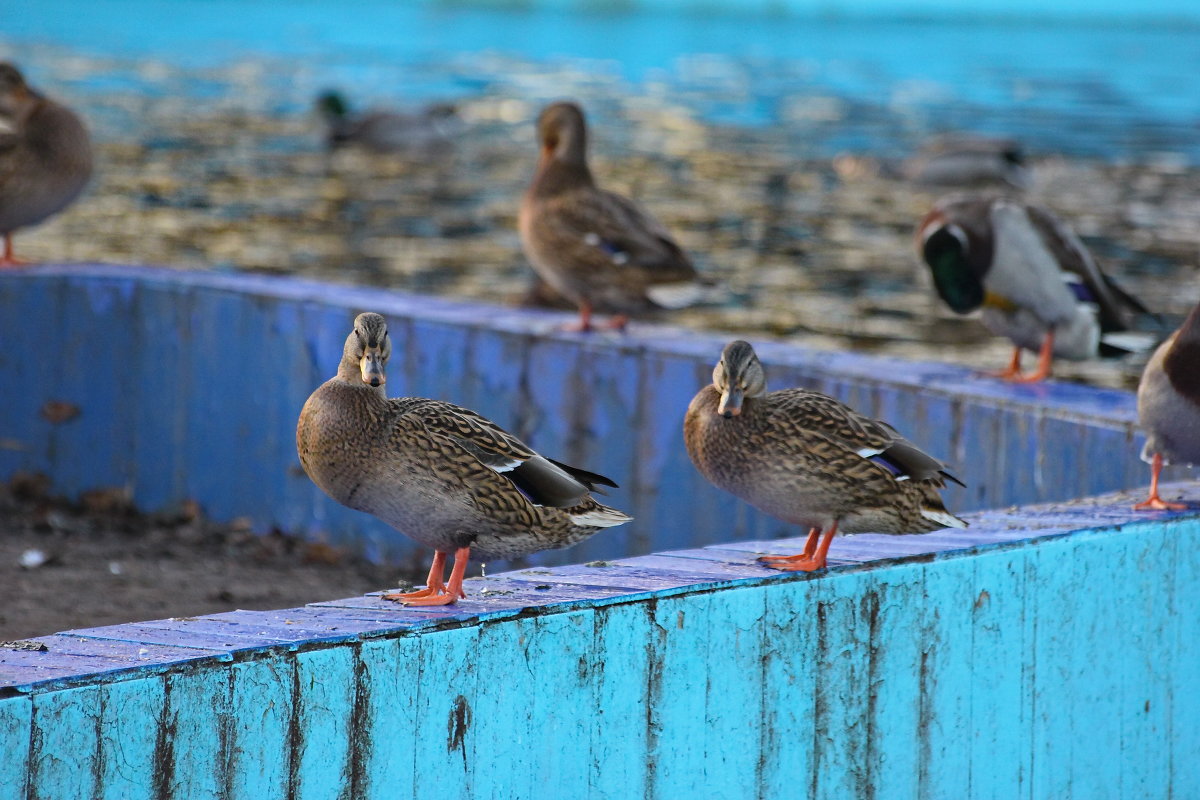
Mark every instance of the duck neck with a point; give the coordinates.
(350, 374)
(563, 168)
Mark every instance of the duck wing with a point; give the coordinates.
(850, 432)
(457, 430)
(1090, 284)
(608, 230)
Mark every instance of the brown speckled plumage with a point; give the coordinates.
(807, 459)
(595, 247)
(45, 155)
(439, 473)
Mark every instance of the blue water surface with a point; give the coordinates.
(1086, 85)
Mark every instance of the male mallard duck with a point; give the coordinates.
(809, 460)
(387, 131)
(597, 248)
(45, 157)
(1034, 279)
(1169, 406)
(437, 472)
(964, 160)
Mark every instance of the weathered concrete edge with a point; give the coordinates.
(1130, 526)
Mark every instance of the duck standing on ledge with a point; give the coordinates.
(439, 473)
(1169, 407)
(1035, 281)
(596, 248)
(45, 157)
(809, 460)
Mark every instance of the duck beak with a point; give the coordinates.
(372, 369)
(731, 403)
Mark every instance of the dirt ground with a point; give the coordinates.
(99, 562)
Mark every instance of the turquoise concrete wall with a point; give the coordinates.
(188, 386)
(1001, 666)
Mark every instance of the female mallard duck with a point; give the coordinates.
(381, 131)
(437, 472)
(1169, 406)
(809, 460)
(1034, 279)
(598, 249)
(45, 157)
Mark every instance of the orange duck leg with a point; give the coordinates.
(813, 558)
(433, 583)
(1012, 372)
(1154, 502)
(437, 593)
(8, 259)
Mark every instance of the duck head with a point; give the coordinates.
(738, 375)
(946, 248)
(16, 98)
(562, 133)
(332, 105)
(367, 350)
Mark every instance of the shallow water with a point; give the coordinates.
(1083, 87)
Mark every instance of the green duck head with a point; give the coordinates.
(332, 105)
(947, 252)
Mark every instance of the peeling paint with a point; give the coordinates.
(456, 727)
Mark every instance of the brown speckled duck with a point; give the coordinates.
(1169, 406)
(45, 157)
(809, 460)
(439, 473)
(598, 249)
(1032, 276)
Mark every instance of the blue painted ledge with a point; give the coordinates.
(1044, 652)
(188, 385)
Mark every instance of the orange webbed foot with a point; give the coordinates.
(1156, 503)
(797, 563)
(438, 593)
(404, 597)
(433, 599)
(812, 559)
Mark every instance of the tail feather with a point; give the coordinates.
(675, 295)
(594, 515)
(680, 294)
(1120, 343)
(1128, 299)
(943, 517)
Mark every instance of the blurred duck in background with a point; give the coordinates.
(596, 248)
(965, 161)
(1032, 277)
(1169, 407)
(45, 157)
(380, 131)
